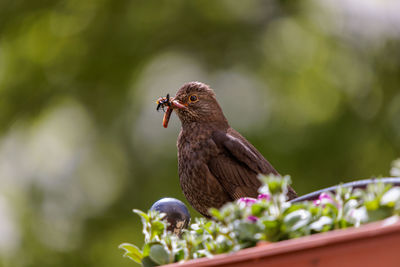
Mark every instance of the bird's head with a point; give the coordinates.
(195, 102)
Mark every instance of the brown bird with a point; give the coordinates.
(216, 164)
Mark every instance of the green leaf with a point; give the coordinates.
(142, 214)
(271, 229)
(270, 224)
(372, 205)
(147, 262)
(157, 229)
(297, 219)
(216, 214)
(274, 186)
(179, 255)
(146, 249)
(342, 223)
(330, 210)
(257, 209)
(132, 252)
(159, 255)
(247, 231)
(379, 213)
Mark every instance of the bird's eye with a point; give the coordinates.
(193, 98)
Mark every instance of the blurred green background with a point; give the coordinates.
(314, 85)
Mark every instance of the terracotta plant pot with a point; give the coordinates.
(374, 244)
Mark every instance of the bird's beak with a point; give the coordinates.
(174, 104)
(177, 104)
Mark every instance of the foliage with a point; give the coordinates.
(270, 218)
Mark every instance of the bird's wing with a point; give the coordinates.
(243, 151)
(236, 168)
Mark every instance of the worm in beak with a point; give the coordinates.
(171, 103)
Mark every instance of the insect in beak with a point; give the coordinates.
(170, 103)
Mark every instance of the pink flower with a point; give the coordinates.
(264, 197)
(247, 200)
(323, 199)
(252, 218)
